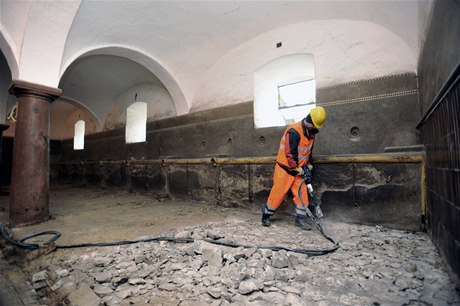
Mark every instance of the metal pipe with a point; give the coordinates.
(212, 160)
(402, 158)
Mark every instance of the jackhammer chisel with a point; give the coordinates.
(315, 211)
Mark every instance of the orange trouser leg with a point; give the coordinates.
(299, 207)
(282, 182)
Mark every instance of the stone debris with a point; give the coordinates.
(373, 266)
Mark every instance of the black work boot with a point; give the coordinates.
(301, 221)
(265, 219)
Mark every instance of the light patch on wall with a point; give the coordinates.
(79, 135)
(284, 90)
(136, 122)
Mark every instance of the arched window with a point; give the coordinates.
(136, 122)
(79, 135)
(284, 90)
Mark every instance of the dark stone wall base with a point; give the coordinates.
(386, 194)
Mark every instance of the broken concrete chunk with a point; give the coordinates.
(39, 276)
(250, 285)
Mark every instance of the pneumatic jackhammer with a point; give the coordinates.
(315, 207)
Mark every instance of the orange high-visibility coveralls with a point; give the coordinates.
(283, 181)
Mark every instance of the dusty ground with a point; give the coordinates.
(94, 215)
(373, 266)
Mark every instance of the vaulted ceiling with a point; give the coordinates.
(186, 56)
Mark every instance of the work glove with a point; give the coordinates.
(299, 171)
(310, 167)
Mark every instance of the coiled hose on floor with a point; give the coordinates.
(7, 235)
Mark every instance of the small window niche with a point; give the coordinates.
(284, 90)
(136, 122)
(79, 135)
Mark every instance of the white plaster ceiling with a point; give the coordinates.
(202, 52)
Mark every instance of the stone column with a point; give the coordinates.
(2, 128)
(29, 194)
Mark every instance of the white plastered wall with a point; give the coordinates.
(159, 105)
(344, 51)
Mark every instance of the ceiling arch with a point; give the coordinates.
(64, 113)
(159, 73)
(5, 47)
(97, 81)
(43, 39)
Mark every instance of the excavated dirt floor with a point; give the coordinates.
(373, 266)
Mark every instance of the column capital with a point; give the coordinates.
(22, 88)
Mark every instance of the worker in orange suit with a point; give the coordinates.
(294, 155)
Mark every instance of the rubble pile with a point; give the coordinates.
(373, 266)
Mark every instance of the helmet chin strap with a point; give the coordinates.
(313, 131)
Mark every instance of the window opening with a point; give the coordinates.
(79, 135)
(296, 99)
(136, 122)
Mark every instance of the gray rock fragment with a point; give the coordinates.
(103, 277)
(102, 290)
(250, 285)
(280, 262)
(214, 292)
(39, 276)
(102, 261)
(60, 273)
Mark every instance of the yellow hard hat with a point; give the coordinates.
(318, 116)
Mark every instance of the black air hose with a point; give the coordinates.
(7, 235)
